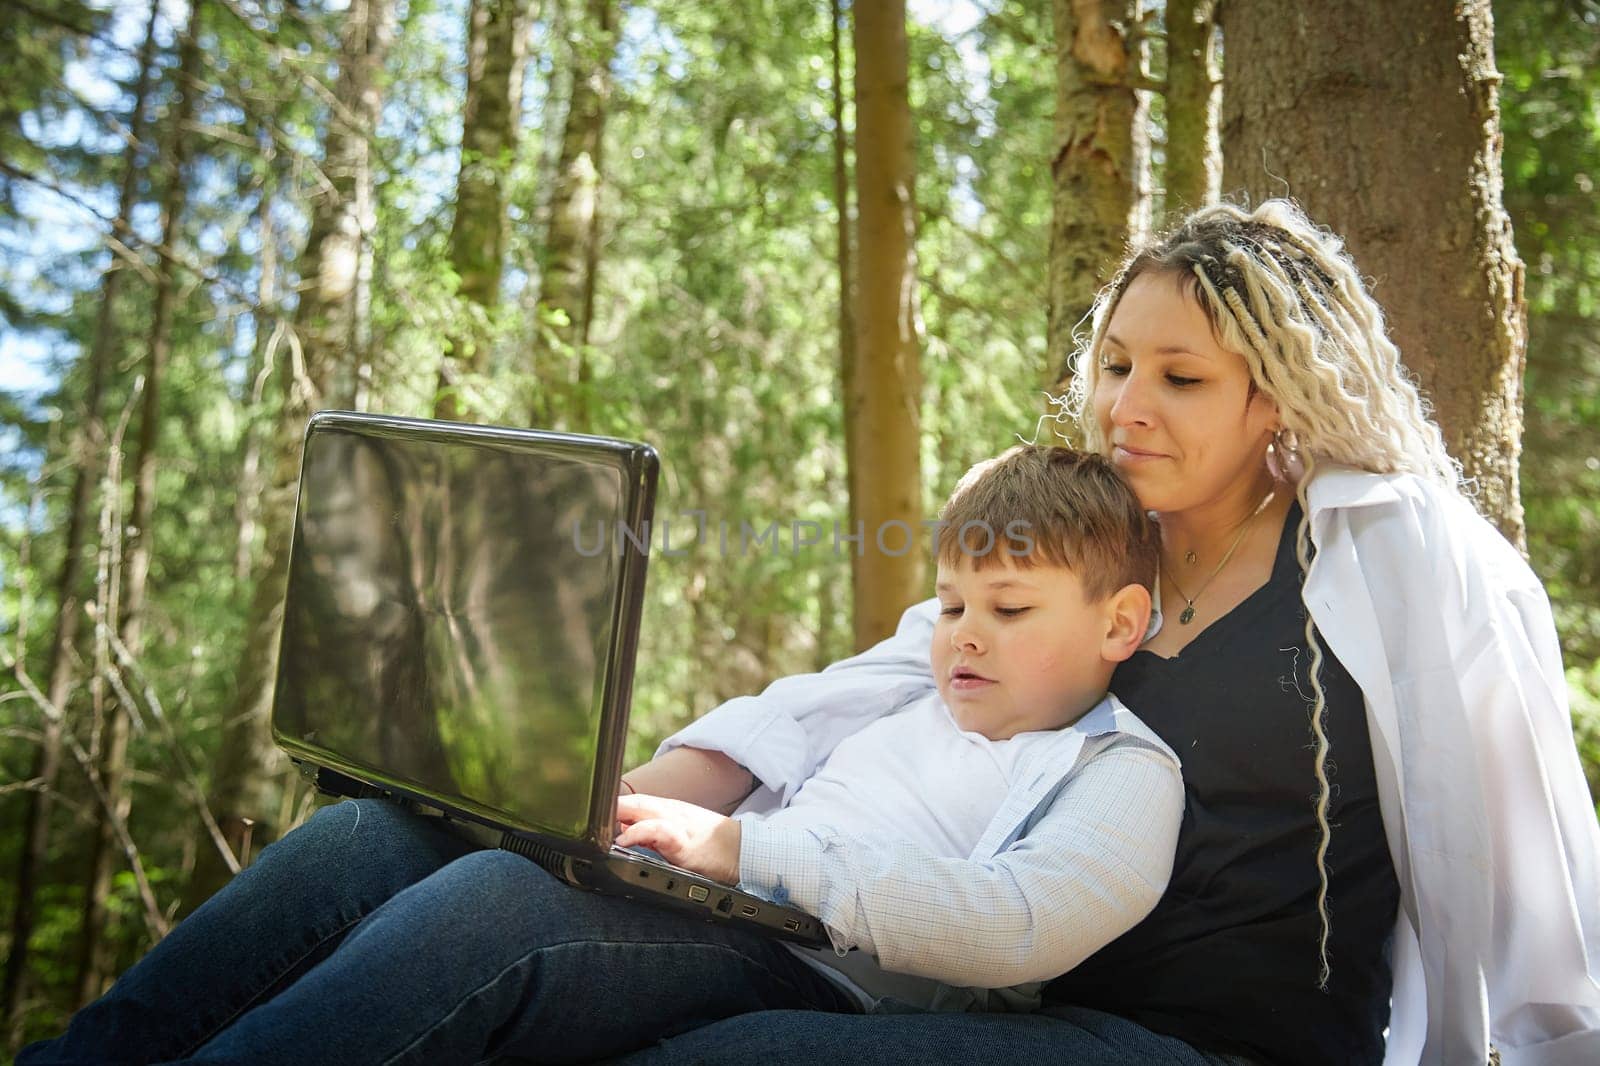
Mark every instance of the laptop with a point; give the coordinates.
(459, 634)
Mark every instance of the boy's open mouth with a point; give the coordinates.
(964, 677)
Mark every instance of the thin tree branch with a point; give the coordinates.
(155, 921)
(108, 644)
(191, 779)
(52, 18)
(122, 240)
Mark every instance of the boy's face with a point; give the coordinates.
(1017, 649)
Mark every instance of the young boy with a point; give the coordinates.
(979, 837)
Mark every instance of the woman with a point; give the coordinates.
(1360, 677)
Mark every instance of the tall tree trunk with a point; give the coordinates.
(495, 50)
(1316, 107)
(571, 249)
(318, 362)
(1194, 101)
(93, 967)
(248, 503)
(1100, 168)
(886, 481)
(88, 445)
(850, 385)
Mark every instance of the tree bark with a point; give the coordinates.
(248, 502)
(88, 445)
(93, 967)
(886, 482)
(1101, 165)
(496, 45)
(849, 375)
(1194, 103)
(318, 365)
(570, 256)
(1317, 107)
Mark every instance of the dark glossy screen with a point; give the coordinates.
(448, 618)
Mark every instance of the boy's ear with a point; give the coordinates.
(1127, 616)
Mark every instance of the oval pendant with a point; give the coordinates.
(1187, 616)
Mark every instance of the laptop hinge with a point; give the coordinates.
(333, 783)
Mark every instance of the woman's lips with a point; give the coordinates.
(1122, 453)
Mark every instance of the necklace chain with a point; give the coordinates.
(1188, 611)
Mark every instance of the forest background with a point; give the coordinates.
(638, 219)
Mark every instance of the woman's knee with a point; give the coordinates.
(502, 885)
(363, 834)
(487, 902)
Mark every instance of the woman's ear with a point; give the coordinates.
(1275, 425)
(1258, 402)
(1127, 617)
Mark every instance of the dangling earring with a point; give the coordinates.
(1283, 457)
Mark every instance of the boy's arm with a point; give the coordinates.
(708, 779)
(782, 735)
(1091, 868)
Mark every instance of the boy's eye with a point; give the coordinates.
(950, 611)
(1011, 612)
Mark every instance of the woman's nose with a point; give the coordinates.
(1130, 402)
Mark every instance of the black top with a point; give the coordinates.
(1228, 959)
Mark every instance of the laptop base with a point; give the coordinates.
(618, 872)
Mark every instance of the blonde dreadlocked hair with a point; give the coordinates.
(1285, 294)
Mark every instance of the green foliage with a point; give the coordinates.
(1550, 112)
(1583, 685)
(983, 247)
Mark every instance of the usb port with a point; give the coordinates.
(748, 910)
(791, 924)
(698, 893)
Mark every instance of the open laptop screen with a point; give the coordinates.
(459, 614)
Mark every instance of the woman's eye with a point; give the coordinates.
(1115, 369)
(1182, 382)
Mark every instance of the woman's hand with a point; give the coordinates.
(694, 838)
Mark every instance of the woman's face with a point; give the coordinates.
(1175, 407)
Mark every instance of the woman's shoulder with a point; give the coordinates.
(1415, 518)
(1338, 487)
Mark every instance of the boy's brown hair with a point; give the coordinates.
(1054, 506)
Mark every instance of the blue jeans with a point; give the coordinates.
(373, 935)
(1072, 1036)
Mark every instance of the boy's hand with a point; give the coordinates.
(685, 835)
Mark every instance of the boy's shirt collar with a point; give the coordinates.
(1154, 627)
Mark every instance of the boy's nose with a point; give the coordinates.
(965, 638)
